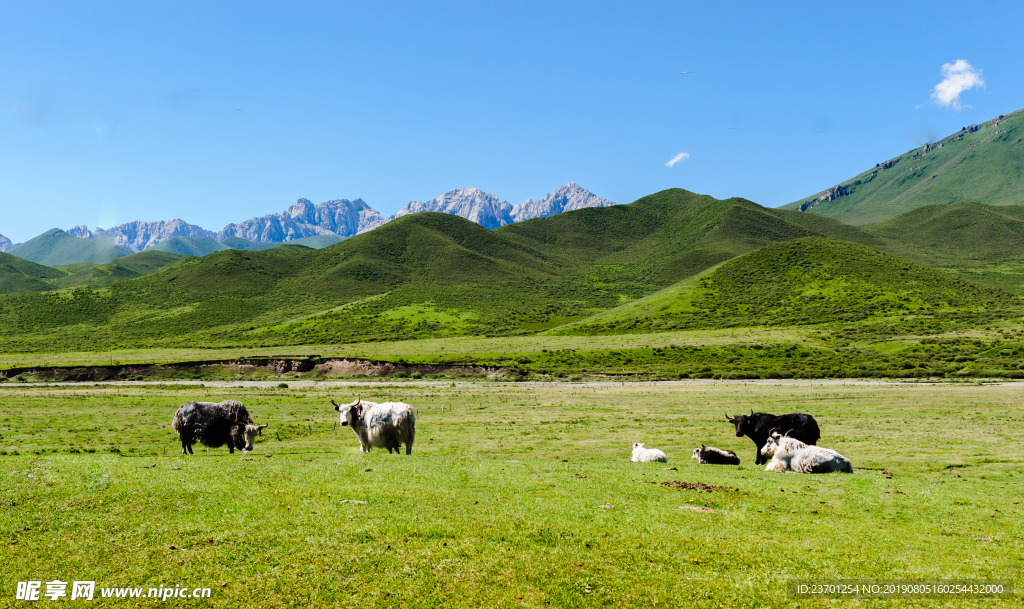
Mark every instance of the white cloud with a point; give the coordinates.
(958, 77)
(682, 156)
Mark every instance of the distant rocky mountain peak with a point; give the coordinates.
(570, 197)
(303, 219)
(471, 203)
(137, 236)
(490, 212)
(81, 231)
(6, 244)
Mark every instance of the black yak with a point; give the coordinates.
(759, 425)
(215, 424)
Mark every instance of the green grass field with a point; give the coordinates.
(515, 495)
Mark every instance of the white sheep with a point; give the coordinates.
(644, 455)
(792, 454)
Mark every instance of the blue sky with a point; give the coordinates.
(216, 112)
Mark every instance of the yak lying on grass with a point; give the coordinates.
(387, 425)
(214, 424)
(792, 454)
(709, 455)
(759, 425)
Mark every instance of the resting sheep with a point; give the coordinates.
(792, 454)
(644, 455)
(709, 455)
(387, 425)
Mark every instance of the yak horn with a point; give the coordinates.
(728, 417)
(335, 405)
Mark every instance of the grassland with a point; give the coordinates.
(516, 495)
(983, 166)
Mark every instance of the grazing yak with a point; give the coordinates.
(214, 424)
(709, 455)
(758, 426)
(387, 425)
(645, 455)
(792, 454)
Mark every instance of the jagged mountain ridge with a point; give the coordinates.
(570, 197)
(470, 203)
(303, 219)
(488, 211)
(342, 217)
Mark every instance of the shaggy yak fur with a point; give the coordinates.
(792, 454)
(709, 455)
(387, 425)
(759, 425)
(214, 424)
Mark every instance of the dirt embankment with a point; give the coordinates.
(311, 367)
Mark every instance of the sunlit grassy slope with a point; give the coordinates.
(797, 282)
(20, 275)
(986, 166)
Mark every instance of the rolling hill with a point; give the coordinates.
(670, 235)
(201, 246)
(56, 247)
(20, 275)
(982, 243)
(189, 246)
(799, 282)
(982, 163)
(432, 275)
(119, 269)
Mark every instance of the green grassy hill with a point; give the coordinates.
(201, 246)
(119, 269)
(189, 246)
(435, 275)
(20, 275)
(669, 235)
(318, 241)
(986, 165)
(982, 243)
(806, 281)
(55, 248)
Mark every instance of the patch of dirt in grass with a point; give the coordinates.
(699, 486)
